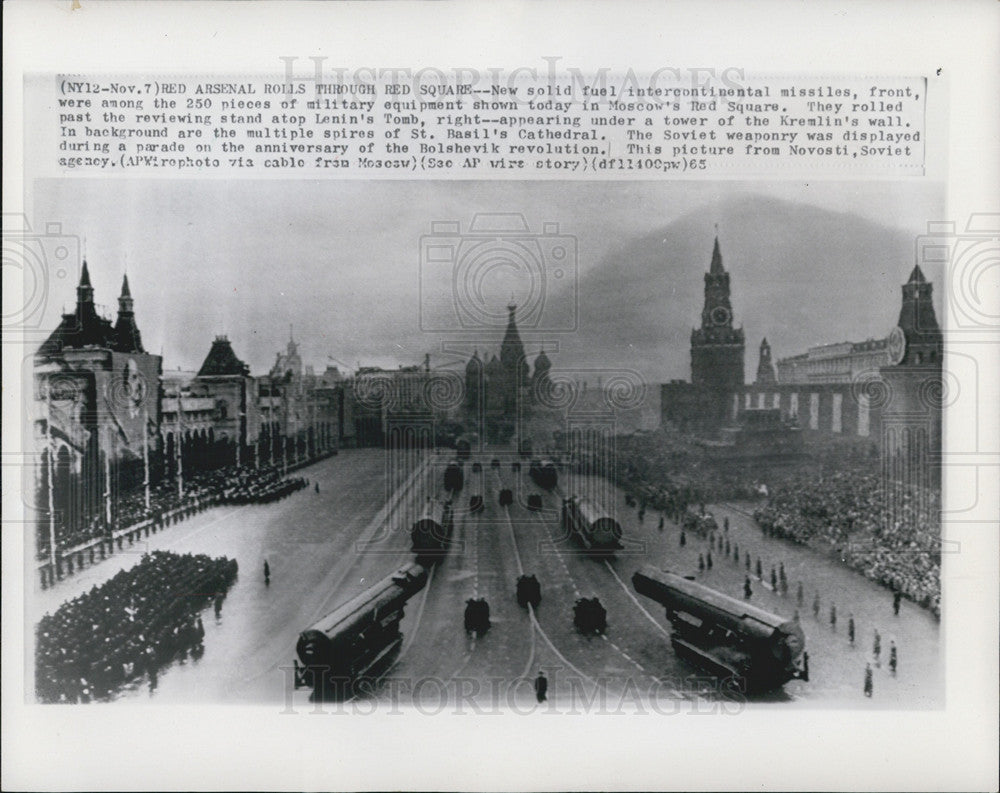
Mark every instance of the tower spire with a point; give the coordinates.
(85, 291)
(716, 268)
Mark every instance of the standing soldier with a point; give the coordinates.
(896, 598)
(816, 606)
(774, 580)
(727, 546)
(725, 523)
(661, 523)
(850, 629)
(684, 538)
(267, 572)
(747, 591)
(868, 680)
(877, 649)
(760, 570)
(541, 686)
(317, 487)
(701, 563)
(708, 560)
(893, 658)
(783, 578)
(746, 559)
(833, 616)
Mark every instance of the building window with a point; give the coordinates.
(793, 406)
(836, 424)
(776, 401)
(760, 399)
(814, 411)
(746, 401)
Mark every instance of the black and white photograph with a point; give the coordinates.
(280, 471)
(383, 412)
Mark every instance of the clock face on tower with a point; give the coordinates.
(897, 346)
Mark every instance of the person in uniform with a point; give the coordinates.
(760, 570)
(317, 487)
(893, 658)
(896, 599)
(541, 687)
(708, 560)
(267, 572)
(661, 523)
(747, 590)
(833, 616)
(799, 595)
(725, 524)
(869, 686)
(877, 648)
(850, 629)
(774, 580)
(816, 606)
(683, 538)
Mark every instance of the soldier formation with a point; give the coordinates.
(137, 621)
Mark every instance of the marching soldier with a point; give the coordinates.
(816, 606)
(267, 572)
(896, 599)
(893, 658)
(877, 648)
(850, 629)
(747, 590)
(833, 616)
(868, 680)
(799, 596)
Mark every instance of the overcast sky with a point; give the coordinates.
(341, 260)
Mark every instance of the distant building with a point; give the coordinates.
(97, 401)
(717, 361)
(502, 390)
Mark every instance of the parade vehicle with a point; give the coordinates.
(506, 497)
(476, 504)
(534, 502)
(529, 591)
(355, 639)
(595, 529)
(589, 616)
(454, 477)
(746, 646)
(544, 474)
(431, 532)
(477, 616)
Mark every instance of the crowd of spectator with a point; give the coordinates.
(230, 485)
(132, 625)
(888, 532)
(837, 500)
